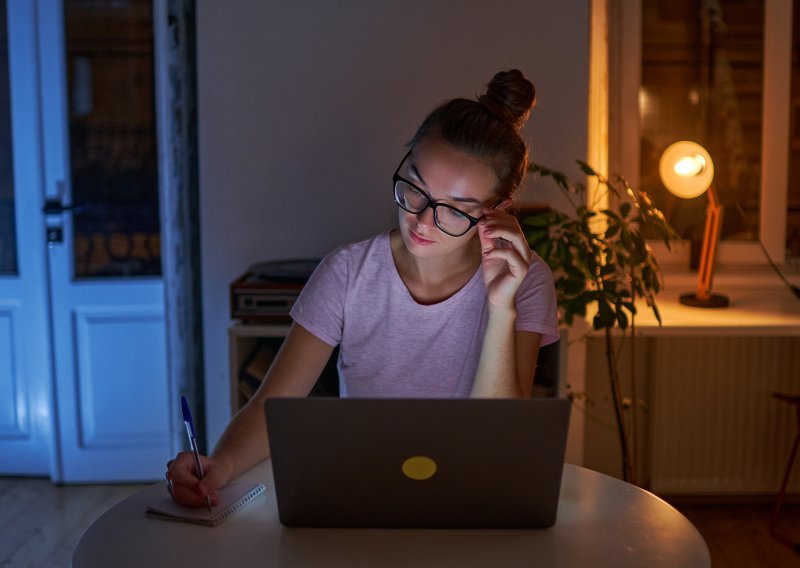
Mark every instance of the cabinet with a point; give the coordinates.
(710, 424)
(251, 349)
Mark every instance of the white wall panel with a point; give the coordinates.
(13, 393)
(304, 108)
(122, 385)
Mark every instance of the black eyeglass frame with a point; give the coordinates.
(431, 203)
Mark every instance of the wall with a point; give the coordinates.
(304, 108)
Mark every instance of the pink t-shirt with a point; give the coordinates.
(392, 346)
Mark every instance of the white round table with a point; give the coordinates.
(602, 521)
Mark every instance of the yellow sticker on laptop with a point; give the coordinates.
(419, 468)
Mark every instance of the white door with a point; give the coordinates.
(25, 380)
(91, 222)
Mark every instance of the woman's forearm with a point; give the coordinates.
(496, 375)
(296, 368)
(244, 442)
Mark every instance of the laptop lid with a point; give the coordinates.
(417, 463)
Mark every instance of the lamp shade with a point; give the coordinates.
(686, 169)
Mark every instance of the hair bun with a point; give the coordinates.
(510, 96)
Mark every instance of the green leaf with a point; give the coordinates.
(536, 236)
(537, 221)
(573, 285)
(575, 306)
(622, 319)
(657, 313)
(606, 313)
(578, 304)
(586, 168)
(543, 250)
(600, 257)
(607, 269)
(561, 179)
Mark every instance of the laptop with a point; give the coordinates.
(417, 463)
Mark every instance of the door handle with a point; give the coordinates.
(54, 207)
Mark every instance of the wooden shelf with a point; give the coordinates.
(246, 347)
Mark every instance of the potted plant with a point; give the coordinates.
(601, 262)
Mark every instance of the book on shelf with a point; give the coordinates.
(254, 369)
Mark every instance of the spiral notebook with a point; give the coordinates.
(232, 497)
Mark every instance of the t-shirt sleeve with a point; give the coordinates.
(537, 309)
(320, 306)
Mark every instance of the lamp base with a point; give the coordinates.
(713, 301)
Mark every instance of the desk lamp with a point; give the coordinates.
(686, 170)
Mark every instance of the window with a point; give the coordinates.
(112, 138)
(702, 78)
(793, 182)
(715, 72)
(8, 240)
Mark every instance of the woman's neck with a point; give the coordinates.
(433, 280)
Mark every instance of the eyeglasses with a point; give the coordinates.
(448, 219)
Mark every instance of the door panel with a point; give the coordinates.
(25, 394)
(113, 409)
(24, 424)
(102, 350)
(112, 387)
(13, 390)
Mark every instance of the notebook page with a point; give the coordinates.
(232, 497)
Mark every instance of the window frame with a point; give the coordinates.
(625, 57)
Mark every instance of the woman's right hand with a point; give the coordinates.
(187, 488)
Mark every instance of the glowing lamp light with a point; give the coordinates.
(687, 171)
(689, 166)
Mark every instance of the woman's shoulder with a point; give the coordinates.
(348, 256)
(538, 278)
(358, 250)
(538, 268)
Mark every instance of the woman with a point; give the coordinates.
(452, 303)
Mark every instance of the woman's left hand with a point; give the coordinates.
(505, 255)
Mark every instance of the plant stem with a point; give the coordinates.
(616, 397)
(634, 406)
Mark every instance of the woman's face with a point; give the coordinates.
(449, 177)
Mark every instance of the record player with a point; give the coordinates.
(268, 290)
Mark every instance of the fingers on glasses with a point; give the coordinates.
(505, 232)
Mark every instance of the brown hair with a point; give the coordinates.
(488, 127)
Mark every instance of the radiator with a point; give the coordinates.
(715, 427)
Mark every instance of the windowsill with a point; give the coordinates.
(727, 277)
(739, 265)
(761, 305)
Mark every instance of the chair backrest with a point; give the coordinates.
(545, 380)
(548, 364)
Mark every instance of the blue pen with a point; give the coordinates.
(187, 421)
